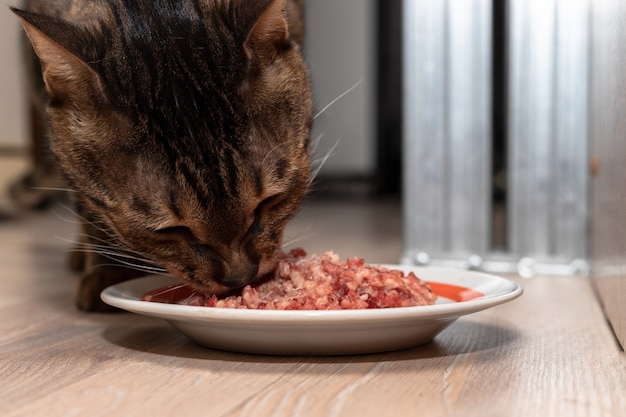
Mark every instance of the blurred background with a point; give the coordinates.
(13, 131)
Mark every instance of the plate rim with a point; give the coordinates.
(112, 295)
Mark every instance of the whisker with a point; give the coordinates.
(315, 143)
(293, 241)
(81, 220)
(107, 249)
(299, 237)
(68, 190)
(320, 162)
(114, 256)
(339, 97)
(105, 243)
(137, 268)
(72, 212)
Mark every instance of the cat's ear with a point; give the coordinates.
(67, 77)
(269, 35)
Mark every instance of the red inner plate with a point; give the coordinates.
(455, 292)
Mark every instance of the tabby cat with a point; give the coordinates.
(183, 126)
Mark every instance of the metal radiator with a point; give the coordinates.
(448, 198)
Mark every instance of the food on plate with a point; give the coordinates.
(314, 282)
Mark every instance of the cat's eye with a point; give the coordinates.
(266, 203)
(261, 209)
(173, 231)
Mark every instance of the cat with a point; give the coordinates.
(183, 128)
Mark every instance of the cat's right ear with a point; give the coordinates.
(269, 34)
(66, 76)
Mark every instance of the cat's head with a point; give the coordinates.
(184, 125)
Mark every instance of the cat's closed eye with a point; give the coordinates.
(171, 231)
(266, 204)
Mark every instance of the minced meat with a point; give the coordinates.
(317, 282)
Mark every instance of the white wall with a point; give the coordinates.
(12, 103)
(340, 51)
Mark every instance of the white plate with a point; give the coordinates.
(307, 332)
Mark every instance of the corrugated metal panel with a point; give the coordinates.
(548, 135)
(447, 138)
(447, 127)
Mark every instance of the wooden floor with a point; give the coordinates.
(548, 353)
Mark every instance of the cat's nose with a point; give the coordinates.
(239, 273)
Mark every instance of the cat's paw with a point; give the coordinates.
(88, 295)
(76, 260)
(94, 282)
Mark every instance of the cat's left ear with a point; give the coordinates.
(67, 77)
(269, 34)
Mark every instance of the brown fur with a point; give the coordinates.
(183, 129)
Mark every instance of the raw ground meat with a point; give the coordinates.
(316, 282)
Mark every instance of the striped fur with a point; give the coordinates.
(184, 127)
